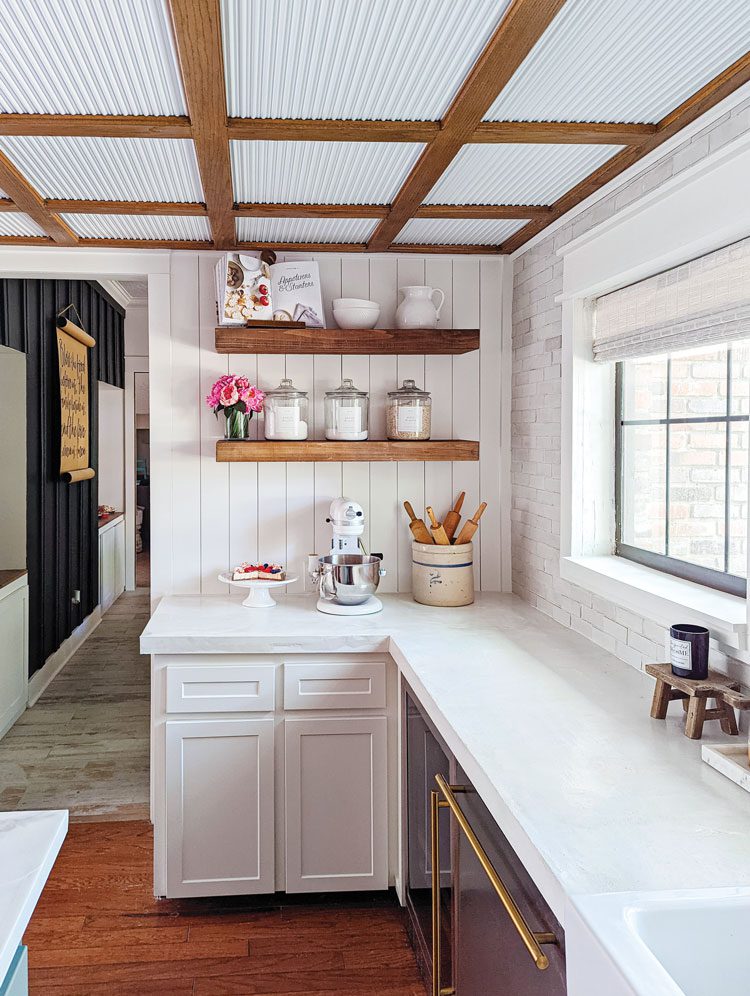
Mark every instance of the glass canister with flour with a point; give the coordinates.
(409, 413)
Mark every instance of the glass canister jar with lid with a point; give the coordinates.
(285, 412)
(409, 413)
(346, 412)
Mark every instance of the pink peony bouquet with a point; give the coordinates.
(235, 394)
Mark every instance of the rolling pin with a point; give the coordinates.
(471, 525)
(419, 530)
(438, 532)
(453, 517)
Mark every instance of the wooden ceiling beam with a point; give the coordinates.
(707, 97)
(456, 250)
(96, 125)
(306, 130)
(197, 30)
(126, 207)
(311, 210)
(25, 240)
(482, 211)
(309, 130)
(145, 244)
(562, 133)
(520, 29)
(188, 209)
(27, 200)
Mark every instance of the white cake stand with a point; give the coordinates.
(259, 594)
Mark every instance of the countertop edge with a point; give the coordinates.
(14, 935)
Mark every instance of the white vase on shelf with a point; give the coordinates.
(418, 310)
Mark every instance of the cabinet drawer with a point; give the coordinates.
(343, 685)
(220, 688)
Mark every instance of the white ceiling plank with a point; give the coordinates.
(107, 169)
(626, 60)
(351, 59)
(87, 57)
(516, 174)
(320, 172)
(457, 232)
(129, 226)
(316, 230)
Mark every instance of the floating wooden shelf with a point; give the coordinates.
(321, 450)
(416, 342)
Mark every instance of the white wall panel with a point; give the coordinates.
(186, 421)
(88, 57)
(438, 380)
(222, 514)
(214, 533)
(625, 61)
(107, 169)
(516, 174)
(320, 172)
(361, 60)
(466, 313)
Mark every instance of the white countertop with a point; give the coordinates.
(555, 734)
(29, 844)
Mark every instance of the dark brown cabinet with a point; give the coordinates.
(495, 934)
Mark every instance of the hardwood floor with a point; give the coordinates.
(98, 931)
(84, 746)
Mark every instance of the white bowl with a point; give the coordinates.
(353, 302)
(357, 318)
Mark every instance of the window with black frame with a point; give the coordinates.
(683, 434)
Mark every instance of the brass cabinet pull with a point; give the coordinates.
(436, 803)
(531, 940)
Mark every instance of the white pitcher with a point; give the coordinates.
(417, 310)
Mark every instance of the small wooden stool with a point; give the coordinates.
(694, 696)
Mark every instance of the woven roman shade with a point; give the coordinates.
(698, 303)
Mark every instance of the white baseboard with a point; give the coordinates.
(57, 661)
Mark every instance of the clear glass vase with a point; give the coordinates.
(237, 425)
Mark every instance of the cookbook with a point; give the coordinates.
(247, 289)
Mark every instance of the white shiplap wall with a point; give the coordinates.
(222, 514)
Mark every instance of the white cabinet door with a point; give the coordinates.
(119, 559)
(220, 807)
(13, 656)
(106, 568)
(336, 804)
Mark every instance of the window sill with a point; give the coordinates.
(660, 597)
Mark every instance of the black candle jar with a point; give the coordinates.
(688, 646)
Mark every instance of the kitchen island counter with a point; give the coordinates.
(29, 843)
(555, 733)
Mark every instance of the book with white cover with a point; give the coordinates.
(295, 293)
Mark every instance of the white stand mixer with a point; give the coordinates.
(347, 578)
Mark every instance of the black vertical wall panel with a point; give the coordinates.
(62, 543)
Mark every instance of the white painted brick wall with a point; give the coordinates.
(537, 329)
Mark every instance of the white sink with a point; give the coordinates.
(686, 943)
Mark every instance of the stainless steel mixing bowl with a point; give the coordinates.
(349, 578)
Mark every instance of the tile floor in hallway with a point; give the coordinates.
(98, 931)
(84, 746)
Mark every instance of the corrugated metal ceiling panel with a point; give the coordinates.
(350, 59)
(320, 172)
(625, 60)
(15, 223)
(108, 169)
(458, 231)
(516, 174)
(139, 226)
(305, 229)
(88, 57)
